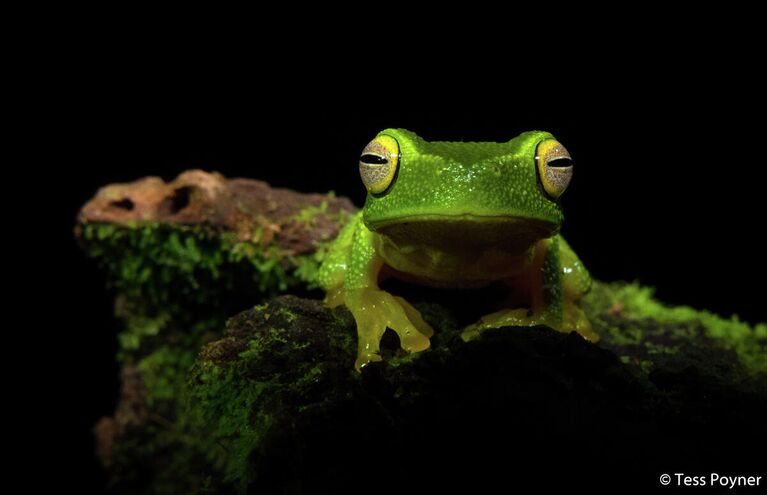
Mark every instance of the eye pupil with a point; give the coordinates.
(554, 167)
(371, 159)
(560, 162)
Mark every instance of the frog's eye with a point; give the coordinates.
(555, 167)
(378, 163)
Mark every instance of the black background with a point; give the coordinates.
(667, 187)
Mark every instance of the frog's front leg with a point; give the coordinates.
(350, 277)
(555, 281)
(376, 310)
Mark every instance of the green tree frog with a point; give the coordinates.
(457, 214)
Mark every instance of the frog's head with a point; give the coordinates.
(494, 193)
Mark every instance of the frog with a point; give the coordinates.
(457, 214)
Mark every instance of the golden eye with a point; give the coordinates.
(378, 163)
(555, 167)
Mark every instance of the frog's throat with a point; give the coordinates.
(466, 233)
(460, 247)
(546, 226)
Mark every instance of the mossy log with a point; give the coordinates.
(269, 402)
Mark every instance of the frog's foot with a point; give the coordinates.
(574, 320)
(506, 317)
(375, 310)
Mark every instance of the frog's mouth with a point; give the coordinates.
(466, 232)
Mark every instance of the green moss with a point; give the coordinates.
(225, 408)
(292, 376)
(214, 413)
(264, 379)
(308, 267)
(308, 215)
(175, 288)
(630, 335)
(171, 275)
(163, 371)
(403, 359)
(627, 314)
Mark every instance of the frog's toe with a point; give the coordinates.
(369, 333)
(415, 318)
(413, 341)
(503, 318)
(576, 320)
(364, 359)
(407, 322)
(470, 332)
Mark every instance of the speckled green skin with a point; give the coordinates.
(457, 214)
(454, 178)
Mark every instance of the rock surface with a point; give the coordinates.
(268, 402)
(517, 406)
(250, 209)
